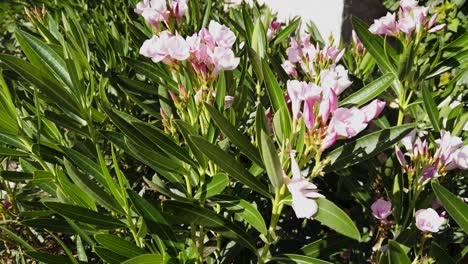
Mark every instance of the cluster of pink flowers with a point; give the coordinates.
(309, 57)
(411, 17)
(209, 50)
(157, 11)
(319, 103)
(302, 192)
(427, 220)
(450, 154)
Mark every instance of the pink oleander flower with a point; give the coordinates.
(347, 122)
(223, 59)
(333, 53)
(381, 209)
(407, 5)
(373, 109)
(400, 156)
(357, 42)
(386, 25)
(328, 141)
(427, 220)
(460, 158)
(302, 192)
(437, 28)
(228, 101)
(165, 48)
(179, 8)
(289, 68)
(336, 78)
(273, 29)
(154, 11)
(296, 92)
(406, 25)
(222, 35)
(448, 144)
(408, 140)
(328, 104)
(294, 52)
(429, 173)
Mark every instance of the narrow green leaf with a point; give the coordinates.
(159, 138)
(86, 164)
(154, 73)
(15, 176)
(366, 147)
(51, 88)
(300, 259)
(327, 246)
(273, 89)
(375, 45)
(84, 215)
(220, 91)
(235, 136)
(245, 210)
(456, 208)
(369, 92)
(48, 258)
(214, 186)
(17, 238)
(271, 160)
(431, 108)
(12, 152)
(259, 41)
(109, 256)
(189, 213)
(35, 49)
(145, 259)
(332, 216)
(396, 253)
(91, 188)
(56, 224)
(186, 130)
(286, 32)
(229, 165)
(154, 220)
(119, 245)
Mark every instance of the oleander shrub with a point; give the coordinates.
(200, 131)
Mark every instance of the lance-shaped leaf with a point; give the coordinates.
(53, 91)
(154, 220)
(431, 108)
(396, 253)
(41, 55)
(84, 215)
(271, 160)
(286, 32)
(230, 165)
(366, 147)
(86, 164)
(273, 89)
(376, 46)
(7, 110)
(215, 185)
(332, 216)
(119, 245)
(109, 256)
(47, 258)
(146, 258)
(192, 214)
(300, 259)
(163, 141)
(243, 209)
(154, 73)
(369, 92)
(456, 208)
(240, 140)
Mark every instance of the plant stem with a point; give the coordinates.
(275, 215)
